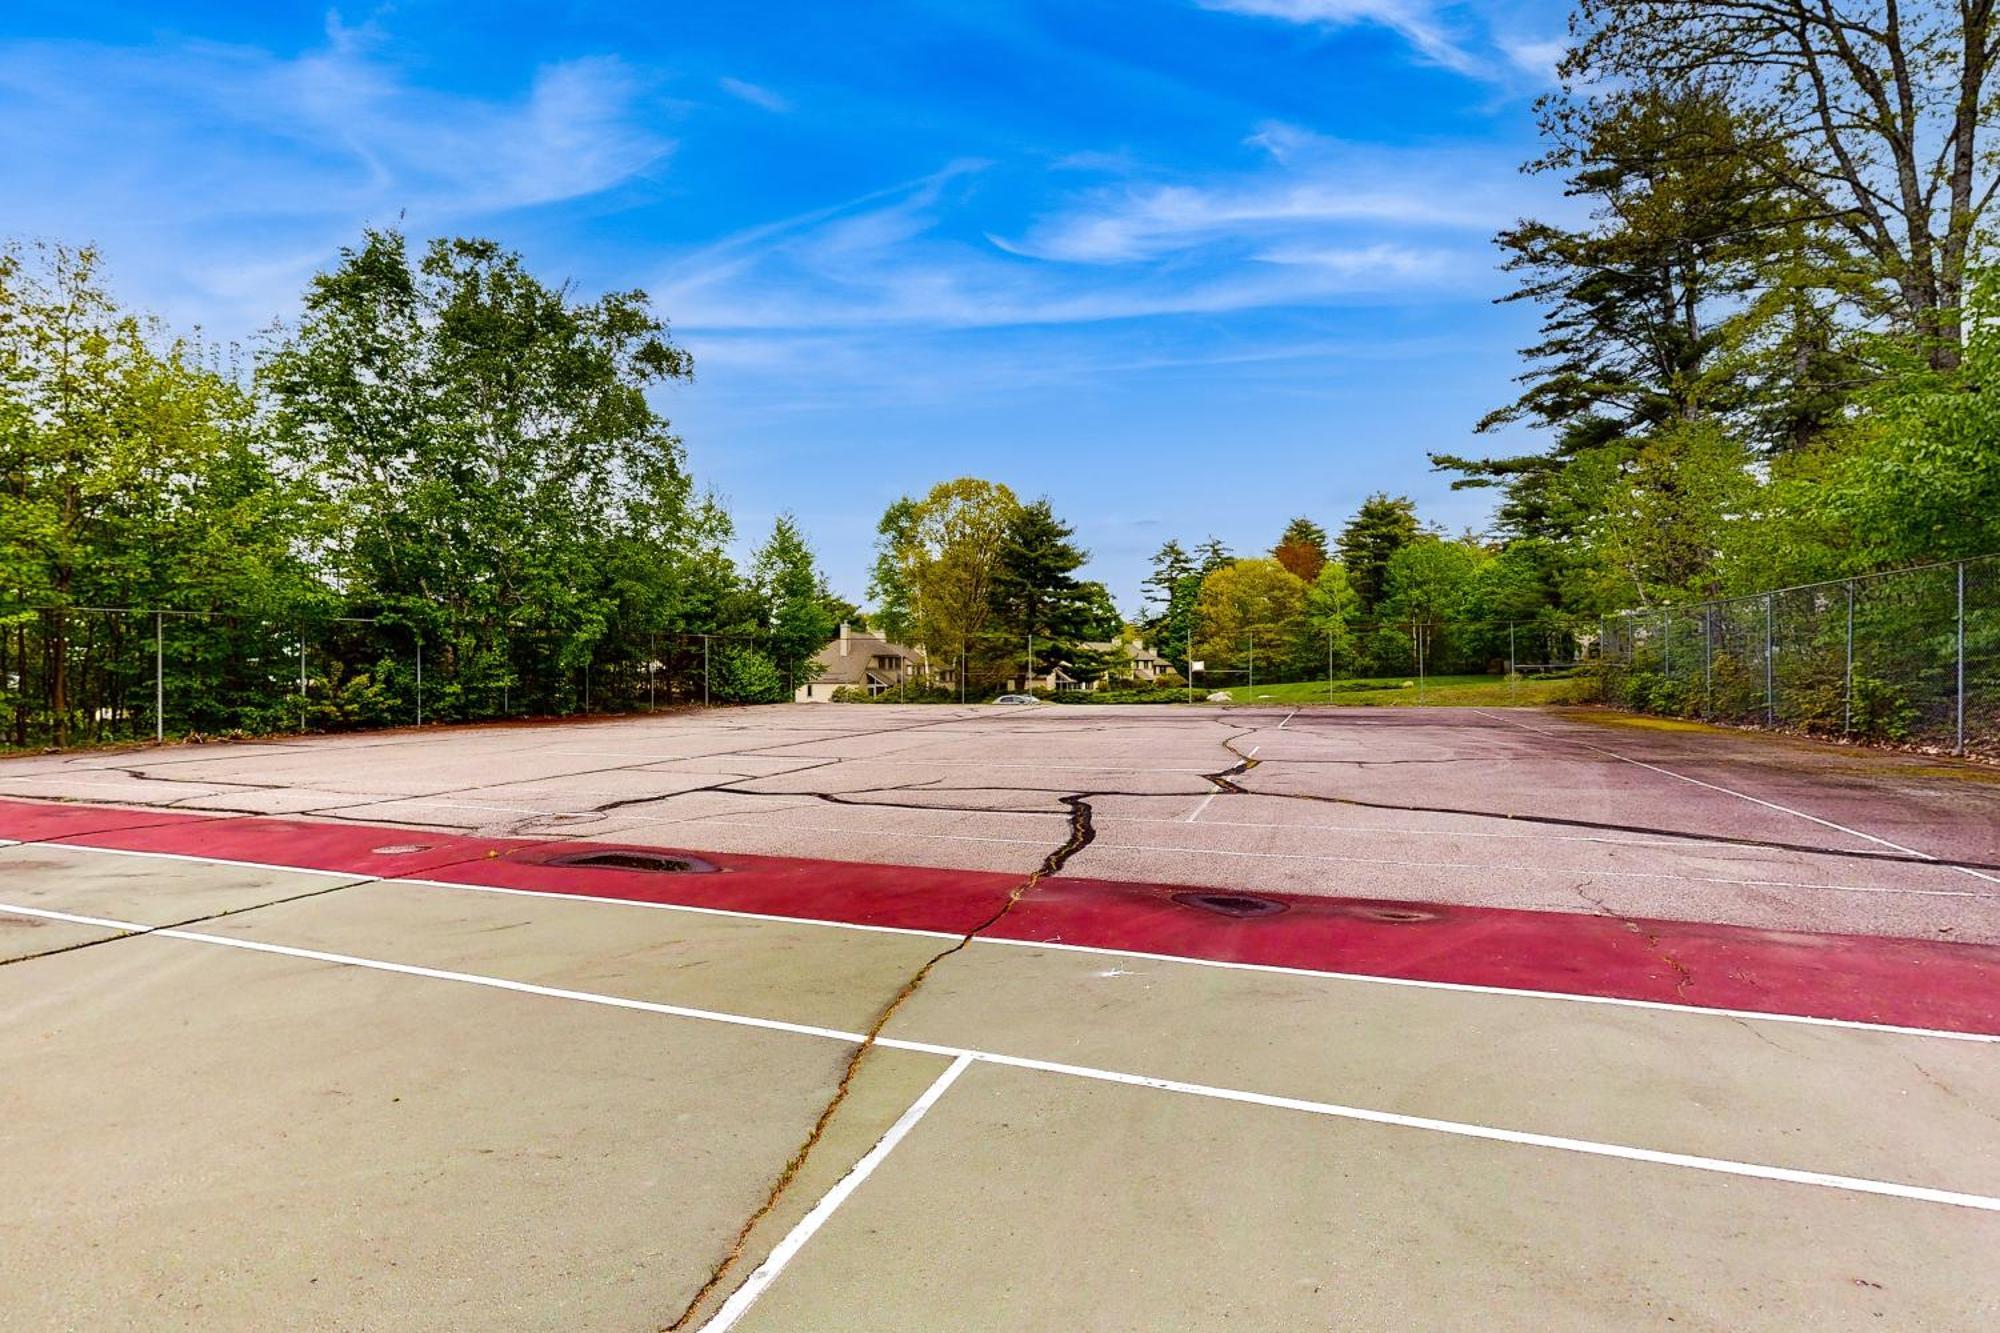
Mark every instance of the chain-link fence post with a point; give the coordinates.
(420, 680)
(1847, 690)
(159, 679)
(704, 671)
(1708, 659)
(302, 679)
(1666, 643)
(1959, 745)
(1770, 694)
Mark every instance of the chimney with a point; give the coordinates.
(843, 638)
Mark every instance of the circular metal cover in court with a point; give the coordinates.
(656, 862)
(1231, 904)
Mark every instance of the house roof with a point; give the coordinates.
(852, 666)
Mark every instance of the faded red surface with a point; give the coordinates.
(1917, 983)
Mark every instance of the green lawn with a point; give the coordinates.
(1483, 691)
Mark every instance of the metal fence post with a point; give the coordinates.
(1770, 678)
(1959, 746)
(1666, 643)
(1417, 635)
(420, 680)
(159, 679)
(302, 678)
(704, 671)
(1708, 660)
(1847, 689)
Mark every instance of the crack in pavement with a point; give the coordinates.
(1080, 835)
(1683, 977)
(1246, 763)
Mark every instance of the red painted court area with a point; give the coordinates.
(1852, 978)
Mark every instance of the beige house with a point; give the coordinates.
(859, 659)
(1141, 663)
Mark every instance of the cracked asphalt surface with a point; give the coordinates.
(247, 1093)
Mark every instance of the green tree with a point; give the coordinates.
(487, 469)
(1380, 528)
(1428, 584)
(1871, 115)
(797, 617)
(129, 479)
(1251, 610)
(1035, 592)
(1331, 608)
(935, 563)
(1171, 564)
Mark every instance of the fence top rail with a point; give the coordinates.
(1669, 608)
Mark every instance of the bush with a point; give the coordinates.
(746, 676)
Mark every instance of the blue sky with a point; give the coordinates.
(1185, 266)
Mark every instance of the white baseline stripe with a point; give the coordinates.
(1744, 796)
(1196, 812)
(1456, 1128)
(767, 1272)
(1415, 983)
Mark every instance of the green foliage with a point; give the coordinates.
(1379, 529)
(1251, 611)
(935, 564)
(795, 610)
(742, 675)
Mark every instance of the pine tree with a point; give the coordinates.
(1380, 528)
(1035, 590)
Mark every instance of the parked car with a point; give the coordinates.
(1017, 699)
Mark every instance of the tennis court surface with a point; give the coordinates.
(1038, 1018)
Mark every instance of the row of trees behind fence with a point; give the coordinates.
(444, 492)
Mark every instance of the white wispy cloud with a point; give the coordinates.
(211, 151)
(1424, 25)
(755, 94)
(1328, 225)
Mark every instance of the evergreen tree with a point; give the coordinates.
(796, 614)
(1035, 590)
(1380, 528)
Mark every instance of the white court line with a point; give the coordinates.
(767, 1272)
(1334, 1110)
(1204, 805)
(1414, 983)
(1503, 865)
(1288, 717)
(1745, 796)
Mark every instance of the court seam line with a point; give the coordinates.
(1744, 796)
(781, 1255)
(1332, 1110)
(774, 918)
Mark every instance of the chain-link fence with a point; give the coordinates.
(86, 675)
(1908, 655)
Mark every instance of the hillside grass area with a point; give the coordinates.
(1389, 691)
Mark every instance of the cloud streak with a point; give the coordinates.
(207, 150)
